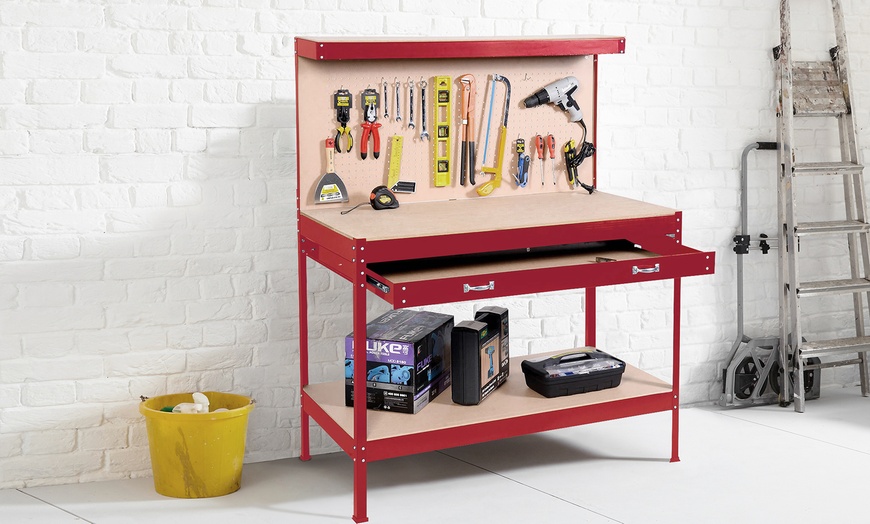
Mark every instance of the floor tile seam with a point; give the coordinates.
(55, 506)
(789, 432)
(533, 488)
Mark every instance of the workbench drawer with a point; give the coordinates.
(483, 276)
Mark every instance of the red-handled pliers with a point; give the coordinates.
(370, 127)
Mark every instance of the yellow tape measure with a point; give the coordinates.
(395, 161)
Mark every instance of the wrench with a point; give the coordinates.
(386, 104)
(410, 103)
(424, 135)
(398, 99)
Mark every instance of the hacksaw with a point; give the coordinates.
(487, 189)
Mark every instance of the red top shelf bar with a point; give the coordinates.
(382, 49)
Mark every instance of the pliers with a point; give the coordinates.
(370, 127)
(343, 103)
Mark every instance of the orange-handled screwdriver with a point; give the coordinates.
(539, 146)
(551, 147)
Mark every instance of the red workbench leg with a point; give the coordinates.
(359, 387)
(302, 271)
(675, 429)
(590, 316)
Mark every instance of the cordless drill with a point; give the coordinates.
(559, 93)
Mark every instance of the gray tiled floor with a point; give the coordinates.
(748, 465)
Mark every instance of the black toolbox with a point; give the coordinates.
(577, 371)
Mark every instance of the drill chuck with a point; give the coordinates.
(541, 97)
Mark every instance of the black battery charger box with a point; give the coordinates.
(577, 371)
(480, 355)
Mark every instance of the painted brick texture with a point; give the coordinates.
(147, 203)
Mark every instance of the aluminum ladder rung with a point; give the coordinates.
(836, 346)
(827, 168)
(832, 287)
(817, 90)
(834, 226)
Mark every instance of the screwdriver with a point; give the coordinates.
(539, 146)
(551, 147)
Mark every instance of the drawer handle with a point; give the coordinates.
(635, 270)
(466, 288)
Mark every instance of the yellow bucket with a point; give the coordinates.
(196, 455)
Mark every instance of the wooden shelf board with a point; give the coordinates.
(513, 400)
(454, 217)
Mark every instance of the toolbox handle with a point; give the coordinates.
(635, 270)
(572, 357)
(466, 288)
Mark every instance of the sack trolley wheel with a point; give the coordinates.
(811, 385)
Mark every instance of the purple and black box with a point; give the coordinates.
(407, 362)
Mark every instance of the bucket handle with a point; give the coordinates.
(143, 398)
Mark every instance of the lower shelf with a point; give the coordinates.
(512, 410)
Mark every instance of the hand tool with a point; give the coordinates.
(393, 182)
(488, 122)
(398, 100)
(330, 188)
(561, 93)
(410, 103)
(342, 101)
(443, 119)
(395, 160)
(551, 147)
(382, 198)
(522, 176)
(487, 188)
(371, 125)
(386, 103)
(466, 118)
(539, 147)
(573, 159)
(424, 135)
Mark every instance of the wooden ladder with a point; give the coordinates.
(814, 90)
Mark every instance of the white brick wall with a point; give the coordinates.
(147, 195)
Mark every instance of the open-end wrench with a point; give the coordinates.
(424, 135)
(386, 104)
(398, 99)
(410, 103)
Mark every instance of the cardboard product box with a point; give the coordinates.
(407, 360)
(494, 316)
(480, 356)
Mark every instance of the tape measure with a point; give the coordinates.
(382, 198)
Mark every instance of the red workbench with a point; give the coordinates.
(525, 240)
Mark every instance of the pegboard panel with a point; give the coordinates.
(319, 80)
